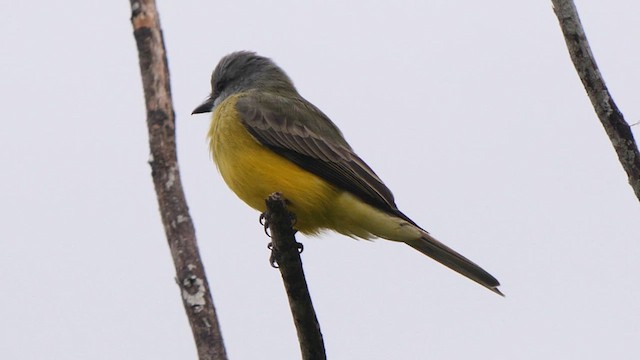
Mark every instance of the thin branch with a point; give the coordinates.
(190, 275)
(287, 256)
(611, 118)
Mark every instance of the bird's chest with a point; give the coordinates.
(250, 169)
(253, 171)
(236, 154)
(232, 147)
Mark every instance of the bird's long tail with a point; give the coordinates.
(441, 253)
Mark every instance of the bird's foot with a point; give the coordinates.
(273, 258)
(264, 221)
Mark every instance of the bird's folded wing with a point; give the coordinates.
(300, 132)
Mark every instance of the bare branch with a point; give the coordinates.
(611, 118)
(287, 255)
(196, 294)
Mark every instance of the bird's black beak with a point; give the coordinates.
(205, 107)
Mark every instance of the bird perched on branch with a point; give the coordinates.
(266, 138)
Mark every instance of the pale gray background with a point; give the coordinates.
(470, 111)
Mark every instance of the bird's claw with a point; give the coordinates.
(264, 221)
(273, 258)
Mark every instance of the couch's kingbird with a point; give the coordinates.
(266, 138)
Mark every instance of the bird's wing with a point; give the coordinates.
(300, 132)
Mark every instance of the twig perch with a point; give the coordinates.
(196, 294)
(287, 256)
(611, 118)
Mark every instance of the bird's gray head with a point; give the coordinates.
(245, 71)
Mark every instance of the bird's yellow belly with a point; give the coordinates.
(253, 172)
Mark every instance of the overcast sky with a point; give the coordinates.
(471, 112)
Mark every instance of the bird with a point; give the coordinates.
(265, 137)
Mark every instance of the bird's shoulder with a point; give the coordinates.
(289, 115)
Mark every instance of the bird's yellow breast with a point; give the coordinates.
(253, 172)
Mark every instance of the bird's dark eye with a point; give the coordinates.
(219, 85)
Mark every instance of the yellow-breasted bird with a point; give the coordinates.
(266, 138)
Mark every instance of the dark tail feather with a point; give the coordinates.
(454, 261)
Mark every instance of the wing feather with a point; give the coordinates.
(300, 132)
